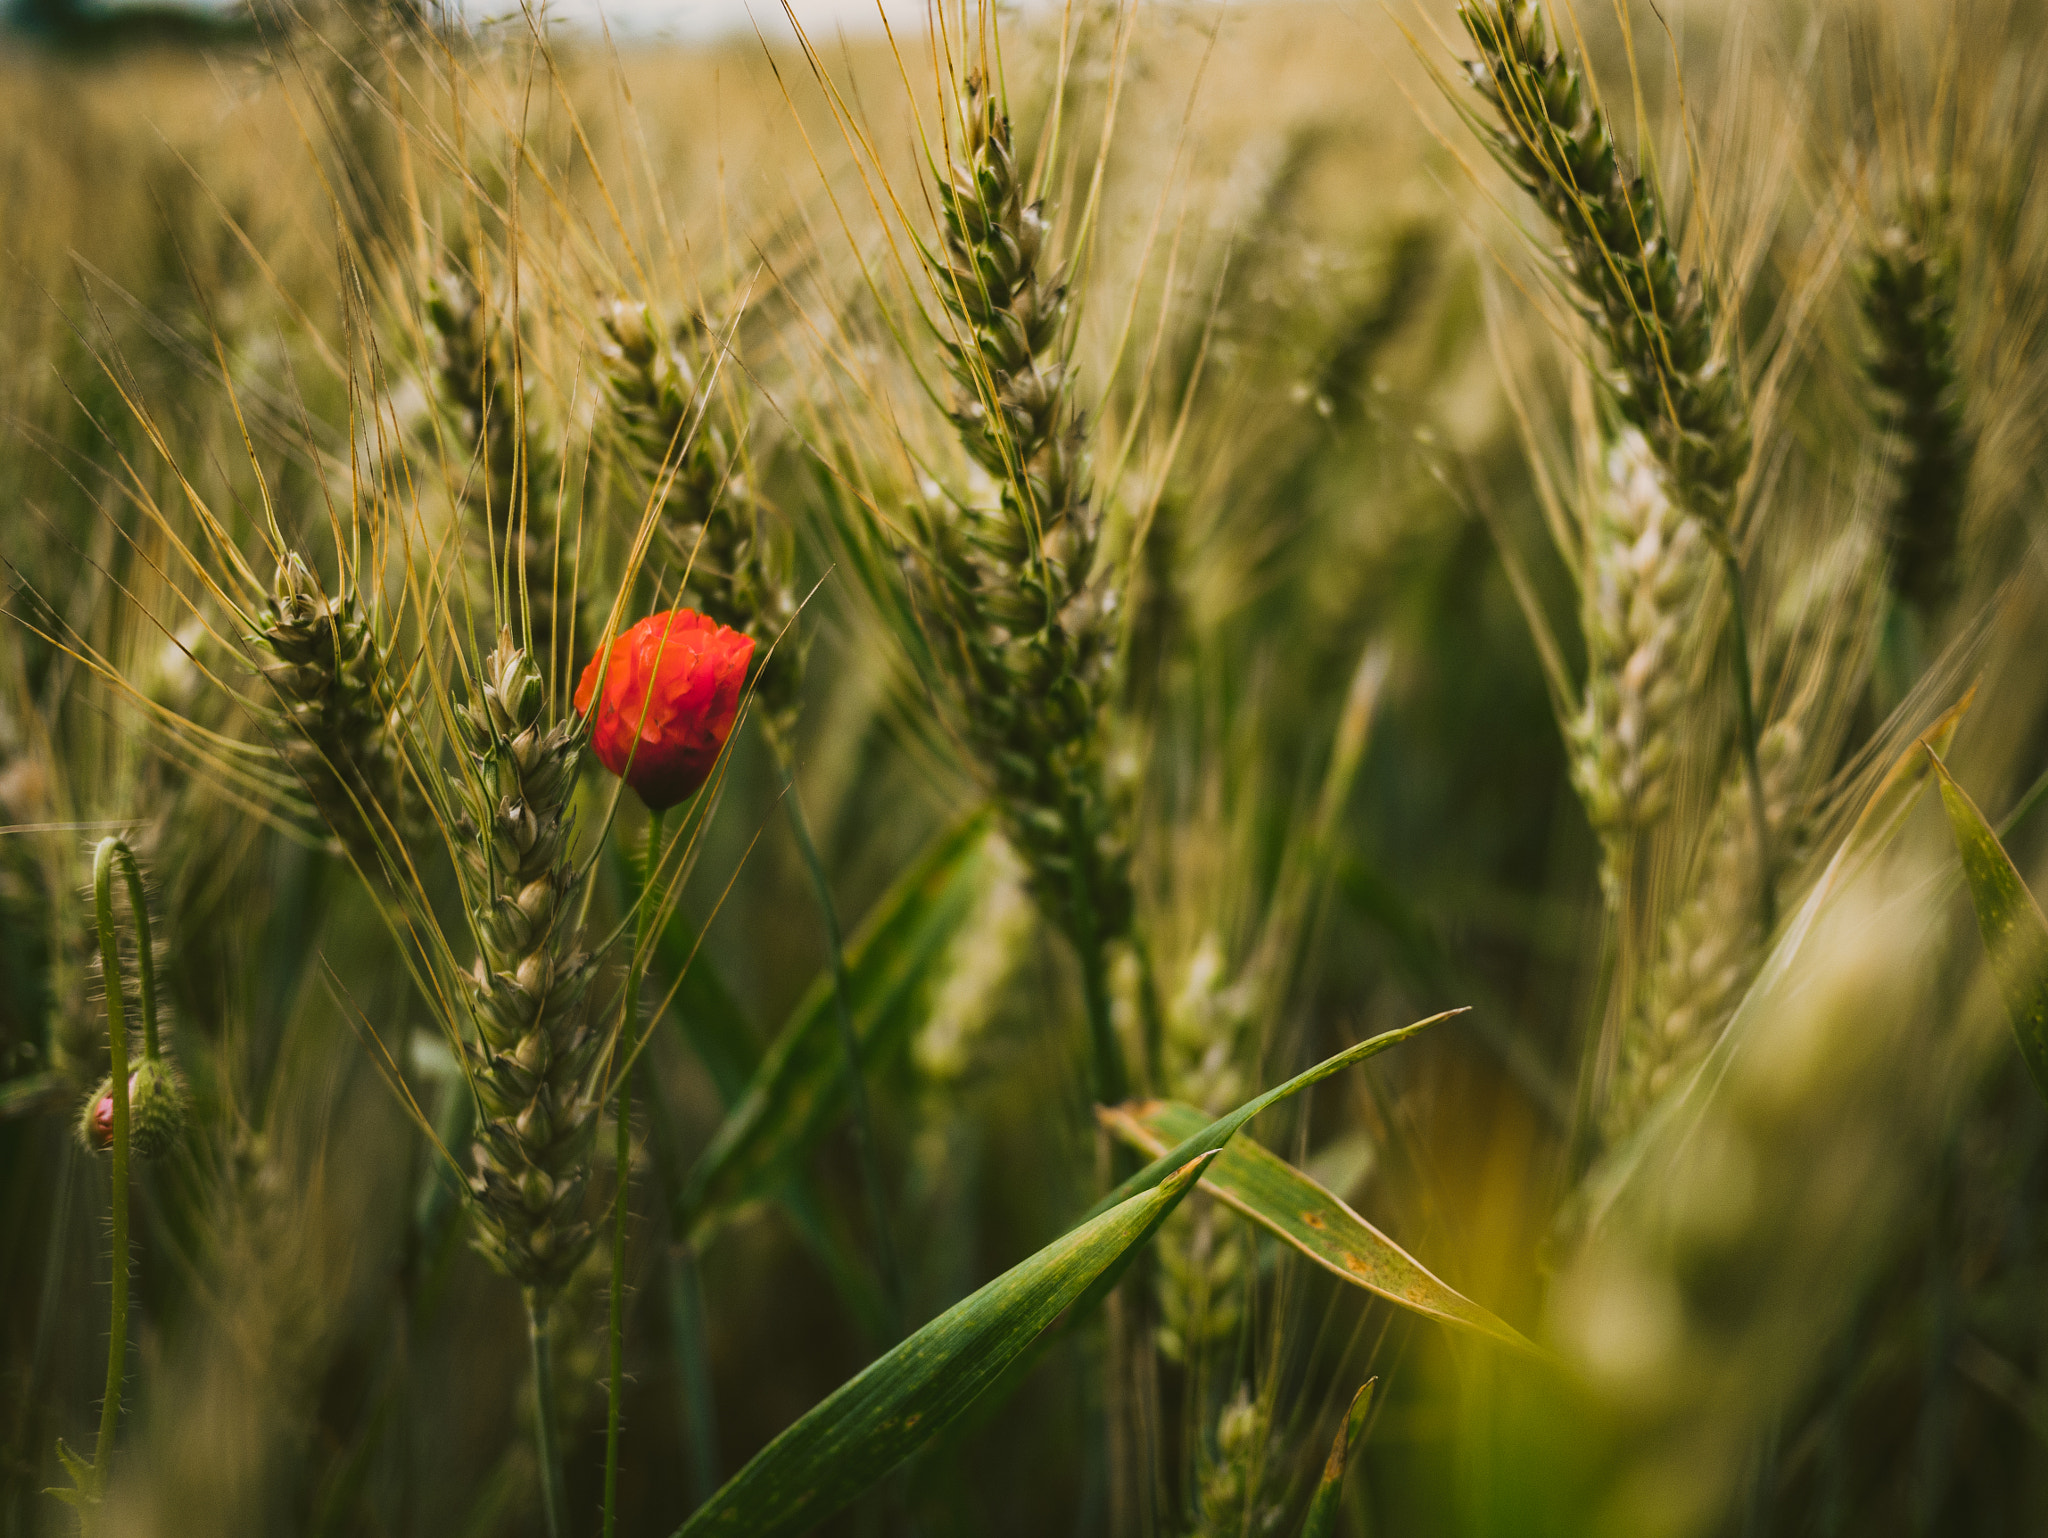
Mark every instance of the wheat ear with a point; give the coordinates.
(1711, 945)
(1657, 321)
(534, 1046)
(1025, 623)
(341, 722)
(513, 472)
(1908, 290)
(708, 513)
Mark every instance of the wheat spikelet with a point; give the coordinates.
(512, 474)
(1907, 288)
(1649, 569)
(709, 517)
(333, 685)
(531, 1060)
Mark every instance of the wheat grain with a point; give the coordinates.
(1231, 1490)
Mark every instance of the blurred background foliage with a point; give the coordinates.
(1331, 383)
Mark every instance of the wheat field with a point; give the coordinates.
(1145, 769)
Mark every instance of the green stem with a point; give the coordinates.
(856, 1083)
(2026, 804)
(685, 1294)
(628, 1040)
(544, 1415)
(1152, 1016)
(693, 1362)
(117, 1053)
(1745, 713)
(1112, 1082)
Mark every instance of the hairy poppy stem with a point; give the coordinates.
(628, 1040)
(856, 1085)
(103, 860)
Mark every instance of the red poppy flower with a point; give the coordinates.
(100, 1118)
(669, 691)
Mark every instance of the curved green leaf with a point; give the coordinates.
(1206, 1141)
(2015, 933)
(799, 1086)
(1220, 1131)
(1287, 1203)
(1321, 1521)
(874, 1421)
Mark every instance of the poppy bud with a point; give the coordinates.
(667, 695)
(156, 1112)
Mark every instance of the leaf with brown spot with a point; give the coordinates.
(1280, 1198)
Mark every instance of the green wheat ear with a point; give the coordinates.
(1668, 380)
(709, 516)
(1655, 318)
(508, 471)
(342, 723)
(531, 1059)
(1908, 287)
(1024, 617)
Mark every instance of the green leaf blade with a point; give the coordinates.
(2015, 933)
(798, 1088)
(1295, 1209)
(880, 1417)
(1321, 1521)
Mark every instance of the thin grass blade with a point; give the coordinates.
(1321, 1521)
(798, 1089)
(2015, 933)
